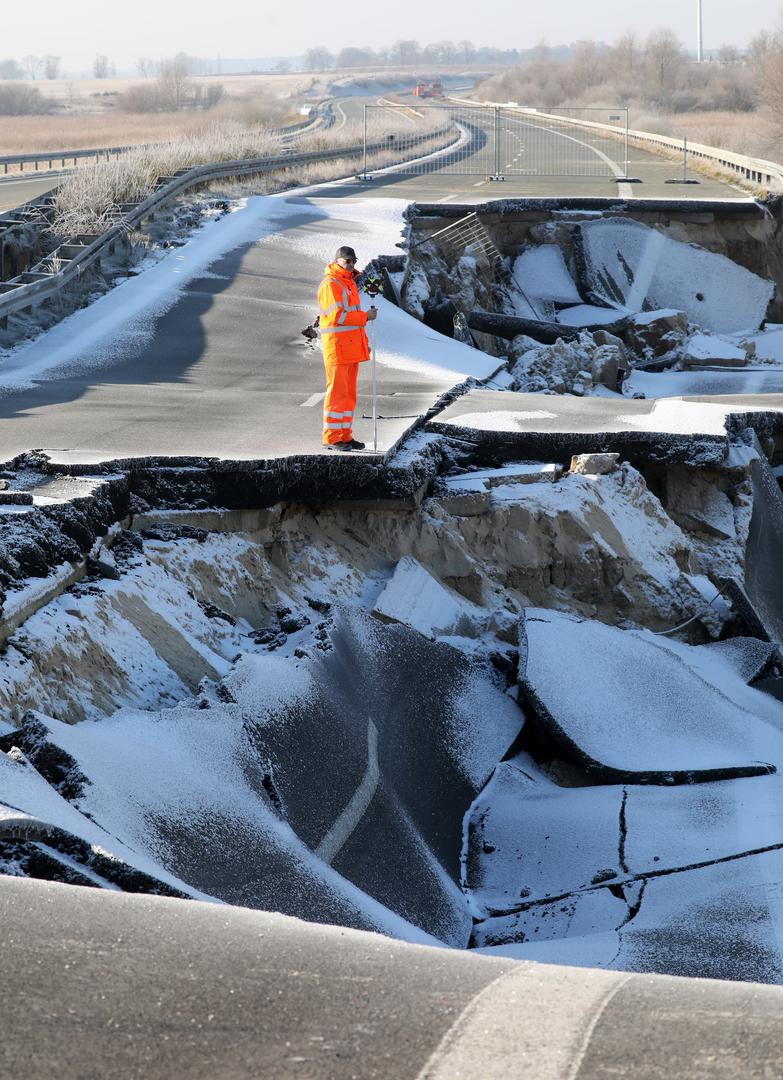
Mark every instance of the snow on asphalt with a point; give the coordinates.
(121, 322)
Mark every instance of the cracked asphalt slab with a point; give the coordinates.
(117, 985)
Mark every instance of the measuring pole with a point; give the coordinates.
(685, 159)
(374, 385)
(497, 143)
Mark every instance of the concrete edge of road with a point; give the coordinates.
(247, 496)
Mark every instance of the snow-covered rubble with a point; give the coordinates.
(300, 716)
(633, 267)
(667, 303)
(637, 706)
(541, 273)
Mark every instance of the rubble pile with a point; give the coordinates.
(624, 294)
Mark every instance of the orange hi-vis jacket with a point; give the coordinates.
(342, 320)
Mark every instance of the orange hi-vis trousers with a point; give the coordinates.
(340, 402)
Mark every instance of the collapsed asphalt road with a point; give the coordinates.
(156, 986)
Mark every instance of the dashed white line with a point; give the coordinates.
(314, 399)
(333, 842)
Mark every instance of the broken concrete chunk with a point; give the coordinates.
(657, 333)
(589, 316)
(603, 337)
(706, 350)
(631, 266)
(417, 599)
(594, 464)
(518, 472)
(702, 507)
(541, 273)
(639, 707)
(468, 502)
(748, 656)
(609, 362)
(546, 839)
(583, 381)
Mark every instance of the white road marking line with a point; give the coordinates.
(314, 399)
(333, 842)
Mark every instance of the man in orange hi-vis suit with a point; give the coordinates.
(345, 346)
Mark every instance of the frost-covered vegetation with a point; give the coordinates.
(88, 200)
(734, 99)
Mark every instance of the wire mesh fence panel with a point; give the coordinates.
(469, 151)
(504, 141)
(563, 142)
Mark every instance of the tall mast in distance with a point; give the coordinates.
(699, 33)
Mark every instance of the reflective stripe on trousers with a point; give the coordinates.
(340, 402)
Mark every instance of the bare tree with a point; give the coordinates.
(446, 51)
(585, 66)
(729, 54)
(32, 65)
(467, 48)
(664, 59)
(760, 47)
(406, 52)
(51, 66)
(174, 81)
(318, 59)
(10, 69)
(352, 57)
(101, 67)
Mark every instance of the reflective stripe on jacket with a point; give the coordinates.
(342, 320)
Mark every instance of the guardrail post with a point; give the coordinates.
(627, 143)
(364, 170)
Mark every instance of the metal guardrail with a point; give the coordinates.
(38, 285)
(757, 170)
(105, 153)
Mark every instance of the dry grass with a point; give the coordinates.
(88, 200)
(88, 114)
(743, 133)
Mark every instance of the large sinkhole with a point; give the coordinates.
(515, 689)
(456, 718)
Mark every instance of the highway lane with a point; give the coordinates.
(538, 157)
(19, 190)
(111, 985)
(223, 372)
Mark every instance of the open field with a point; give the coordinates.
(89, 114)
(64, 132)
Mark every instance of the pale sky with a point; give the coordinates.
(78, 29)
